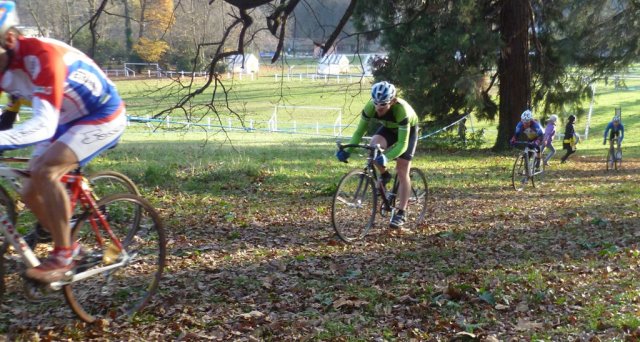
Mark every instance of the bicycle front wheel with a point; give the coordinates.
(417, 206)
(618, 158)
(519, 174)
(124, 290)
(610, 160)
(354, 206)
(106, 183)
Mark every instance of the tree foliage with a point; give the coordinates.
(150, 50)
(439, 54)
(446, 54)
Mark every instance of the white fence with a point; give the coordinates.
(127, 72)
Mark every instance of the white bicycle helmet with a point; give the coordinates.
(8, 16)
(616, 119)
(383, 92)
(526, 116)
(553, 118)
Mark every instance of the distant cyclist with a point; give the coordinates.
(530, 130)
(398, 132)
(617, 131)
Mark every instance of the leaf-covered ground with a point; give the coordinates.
(559, 262)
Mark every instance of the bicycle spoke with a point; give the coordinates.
(127, 289)
(519, 176)
(354, 206)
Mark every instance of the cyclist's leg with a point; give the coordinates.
(403, 166)
(76, 144)
(385, 138)
(47, 198)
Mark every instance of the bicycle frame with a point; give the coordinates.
(615, 147)
(369, 169)
(79, 194)
(529, 151)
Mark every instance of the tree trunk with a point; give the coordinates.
(128, 32)
(513, 68)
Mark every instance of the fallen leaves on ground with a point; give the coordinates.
(558, 262)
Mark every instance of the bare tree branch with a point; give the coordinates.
(343, 21)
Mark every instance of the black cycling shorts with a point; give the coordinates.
(391, 136)
(614, 134)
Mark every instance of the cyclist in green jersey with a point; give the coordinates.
(397, 135)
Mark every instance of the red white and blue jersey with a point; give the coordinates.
(532, 132)
(65, 88)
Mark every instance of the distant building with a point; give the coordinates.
(245, 64)
(333, 64)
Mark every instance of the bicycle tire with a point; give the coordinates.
(126, 290)
(8, 208)
(418, 199)
(354, 206)
(104, 183)
(618, 159)
(519, 174)
(610, 160)
(532, 168)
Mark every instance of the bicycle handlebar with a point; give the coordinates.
(525, 143)
(366, 147)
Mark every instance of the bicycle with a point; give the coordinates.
(527, 166)
(123, 244)
(614, 155)
(102, 183)
(355, 202)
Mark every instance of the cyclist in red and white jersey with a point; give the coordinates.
(77, 113)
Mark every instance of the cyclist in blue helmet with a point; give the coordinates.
(397, 135)
(617, 130)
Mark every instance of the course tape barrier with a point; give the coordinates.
(425, 136)
(149, 121)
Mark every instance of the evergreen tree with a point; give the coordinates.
(445, 55)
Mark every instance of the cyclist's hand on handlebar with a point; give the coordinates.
(512, 142)
(381, 159)
(343, 155)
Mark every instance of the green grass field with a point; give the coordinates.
(255, 100)
(253, 254)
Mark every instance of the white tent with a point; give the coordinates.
(333, 64)
(246, 64)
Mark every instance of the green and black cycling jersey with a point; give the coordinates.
(400, 117)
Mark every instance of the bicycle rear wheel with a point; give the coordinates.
(417, 207)
(519, 174)
(354, 206)
(125, 290)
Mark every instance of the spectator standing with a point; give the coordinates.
(570, 139)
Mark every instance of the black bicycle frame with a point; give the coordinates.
(370, 170)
